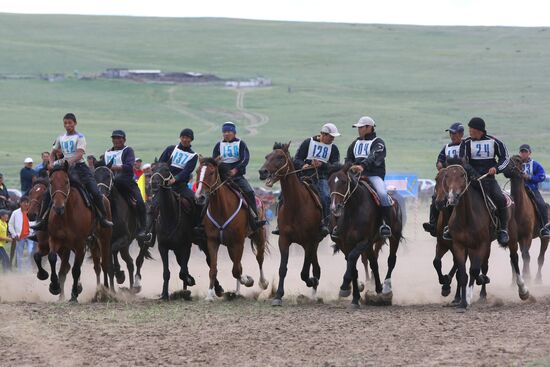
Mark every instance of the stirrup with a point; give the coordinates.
(544, 232)
(385, 231)
(447, 234)
(275, 231)
(430, 228)
(502, 237)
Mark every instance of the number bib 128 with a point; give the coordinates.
(319, 151)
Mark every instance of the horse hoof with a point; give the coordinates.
(135, 289)
(189, 281)
(361, 287)
(538, 280)
(120, 277)
(354, 306)
(524, 296)
(344, 293)
(73, 300)
(445, 280)
(164, 297)
(264, 284)
(277, 302)
(461, 309)
(445, 290)
(79, 288)
(55, 289)
(183, 294)
(218, 289)
(42, 274)
(312, 282)
(248, 282)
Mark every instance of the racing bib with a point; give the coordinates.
(528, 168)
(482, 149)
(452, 151)
(180, 157)
(114, 156)
(69, 145)
(229, 151)
(362, 148)
(319, 151)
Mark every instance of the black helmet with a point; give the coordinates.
(477, 123)
(118, 134)
(188, 133)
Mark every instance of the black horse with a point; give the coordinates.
(174, 228)
(124, 229)
(361, 220)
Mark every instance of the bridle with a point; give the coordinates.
(64, 193)
(36, 200)
(288, 172)
(101, 184)
(164, 179)
(216, 185)
(465, 176)
(349, 191)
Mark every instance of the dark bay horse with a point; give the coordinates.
(70, 224)
(473, 230)
(361, 220)
(527, 219)
(124, 229)
(442, 245)
(226, 223)
(174, 227)
(298, 219)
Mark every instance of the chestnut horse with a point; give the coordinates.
(472, 229)
(298, 219)
(226, 223)
(527, 219)
(124, 229)
(356, 208)
(70, 224)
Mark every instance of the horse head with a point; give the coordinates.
(514, 168)
(277, 164)
(36, 196)
(342, 184)
(160, 176)
(104, 178)
(440, 194)
(208, 178)
(60, 186)
(454, 183)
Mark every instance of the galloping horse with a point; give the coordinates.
(472, 230)
(361, 220)
(70, 224)
(527, 220)
(174, 227)
(226, 223)
(124, 229)
(442, 245)
(298, 219)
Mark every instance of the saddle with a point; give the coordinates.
(364, 181)
(491, 205)
(74, 183)
(531, 196)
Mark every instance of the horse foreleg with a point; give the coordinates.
(119, 274)
(165, 271)
(63, 271)
(235, 254)
(365, 261)
(182, 256)
(259, 240)
(218, 289)
(373, 260)
(525, 246)
(41, 274)
(356, 290)
(392, 260)
(460, 258)
(444, 279)
(96, 257)
(78, 259)
(213, 247)
(125, 254)
(55, 287)
(316, 269)
(475, 269)
(284, 245)
(514, 260)
(107, 260)
(543, 247)
(308, 258)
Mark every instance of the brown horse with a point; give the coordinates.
(473, 230)
(443, 246)
(70, 224)
(360, 216)
(226, 223)
(298, 219)
(36, 197)
(527, 220)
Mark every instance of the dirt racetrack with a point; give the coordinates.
(36, 329)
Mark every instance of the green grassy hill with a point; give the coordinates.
(415, 81)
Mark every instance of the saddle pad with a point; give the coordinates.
(313, 194)
(365, 182)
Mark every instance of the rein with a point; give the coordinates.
(110, 186)
(288, 172)
(349, 191)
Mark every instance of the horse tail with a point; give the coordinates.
(259, 242)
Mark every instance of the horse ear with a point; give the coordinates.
(201, 159)
(156, 160)
(218, 158)
(65, 165)
(286, 146)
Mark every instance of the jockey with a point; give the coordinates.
(534, 174)
(450, 150)
(485, 154)
(120, 159)
(235, 156)
(73, 146)
(182, 160)
(368, 156)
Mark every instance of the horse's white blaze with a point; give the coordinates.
(335, 179)
(387, 286)
(333, 203)
(201, 178)
(210, 295)
(469, 294)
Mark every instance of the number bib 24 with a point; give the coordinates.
(482, 149)
(319, 151)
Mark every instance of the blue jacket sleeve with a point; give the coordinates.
(538, 175)
(185, 173)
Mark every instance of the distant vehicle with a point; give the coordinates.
(426, 188)
(545, 185)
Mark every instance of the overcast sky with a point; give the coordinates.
(424, 12)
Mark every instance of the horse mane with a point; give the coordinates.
(278, 145)
(452, 161)
(210, 160)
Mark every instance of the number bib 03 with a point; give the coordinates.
(319, 151)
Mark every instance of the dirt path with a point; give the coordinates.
(253, 120)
